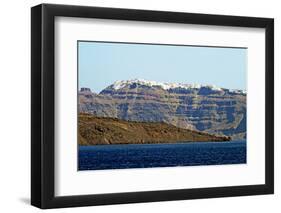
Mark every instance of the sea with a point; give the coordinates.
(100, 157)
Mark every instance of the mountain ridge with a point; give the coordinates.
(206, 108)
(167, 86)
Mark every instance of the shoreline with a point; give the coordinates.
(176, 143)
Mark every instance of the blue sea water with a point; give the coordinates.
(160, 155)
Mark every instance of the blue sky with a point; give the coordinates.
(100, 64)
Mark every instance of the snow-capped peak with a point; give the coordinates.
(166, 86)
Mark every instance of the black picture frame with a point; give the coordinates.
(43, 105)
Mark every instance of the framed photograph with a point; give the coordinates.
(139, 106)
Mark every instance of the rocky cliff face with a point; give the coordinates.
(199, 107)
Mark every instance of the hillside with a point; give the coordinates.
(205, 108)
(96, 131)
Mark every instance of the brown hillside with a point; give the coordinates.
(100, 130)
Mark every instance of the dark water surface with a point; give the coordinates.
(161, 155)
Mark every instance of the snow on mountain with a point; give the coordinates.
(166, 86)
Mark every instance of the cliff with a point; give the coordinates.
(101, 130)
(190, 106)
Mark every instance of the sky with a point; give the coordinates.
(102, 63)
